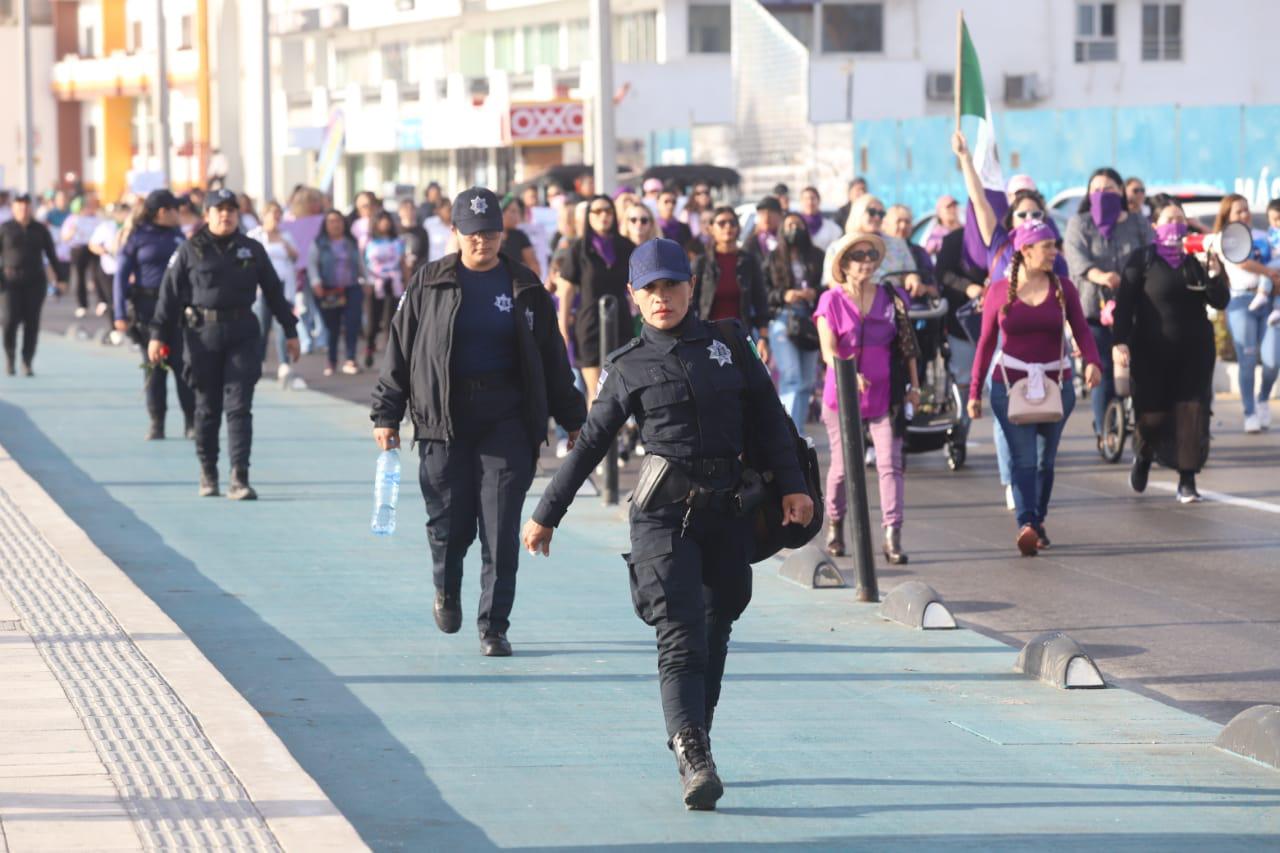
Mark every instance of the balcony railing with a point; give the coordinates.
(119, 75)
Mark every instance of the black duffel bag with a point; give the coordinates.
(769, 535)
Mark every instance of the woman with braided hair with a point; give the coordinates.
(1029, 308)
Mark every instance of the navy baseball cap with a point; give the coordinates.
(24, 197)
(477, 209)
(159, 200)
(221, 198)
(659, 259)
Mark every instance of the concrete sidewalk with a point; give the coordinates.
(836, 730)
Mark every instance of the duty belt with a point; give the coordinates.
(713, 468)
(222, 315)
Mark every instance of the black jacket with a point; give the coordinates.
(691, 401)
(219, 272)
(777, 286)
(755, 299)
(955, 274)
(22, 250)
(416, 375)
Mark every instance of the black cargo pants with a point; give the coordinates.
(222, 365)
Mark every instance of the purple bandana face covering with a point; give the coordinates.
(1105, 209)
(670, 228)
(604, 247)
(812, 222)
(1169, 242)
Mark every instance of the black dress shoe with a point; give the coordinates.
(495, 646)
(1139, 473)
(448, 612)
(702, 785)
(156, 432)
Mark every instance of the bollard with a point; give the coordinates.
(608, 343)
(857, 518)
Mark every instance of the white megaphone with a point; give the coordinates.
(1235, 243)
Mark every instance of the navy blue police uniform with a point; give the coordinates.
(143, 260)
(689, 564)
(23, 285)
(477, 360)
(208, 292)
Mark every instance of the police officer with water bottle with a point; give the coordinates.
(695, 387)
(208, 293)
(476, 358)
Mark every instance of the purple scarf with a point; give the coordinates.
(670, 228)
(1169, 242)
(605, 249)
(1105, 209)
(812, 222)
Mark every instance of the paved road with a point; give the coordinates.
(838, 730)
(1177, 602)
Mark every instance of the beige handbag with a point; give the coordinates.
(1035, 399)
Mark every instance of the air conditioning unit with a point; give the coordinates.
(1024, 89)
(940, 86)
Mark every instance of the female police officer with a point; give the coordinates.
(209, 290)
(690, 576)
(475, 355)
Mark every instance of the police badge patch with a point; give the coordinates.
(720, 353)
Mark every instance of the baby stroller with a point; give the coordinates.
(940, 420)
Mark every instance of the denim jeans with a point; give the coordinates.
(1004, 460)
(797, 371)
(266, 323)
(1034, 449)
(1105, 392)
(1256, 343)
(312, 335)
(962, 354)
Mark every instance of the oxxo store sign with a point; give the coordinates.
(545, 122)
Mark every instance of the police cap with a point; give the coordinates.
(658, 259)
(221, 198)
(477, 209)
(160, 200)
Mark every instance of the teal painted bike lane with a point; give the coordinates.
(836, 730)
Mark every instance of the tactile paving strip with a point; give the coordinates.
(179, 791)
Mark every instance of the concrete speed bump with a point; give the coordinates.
(917, 605)
(1059, 660)
(812, 568)
(1254, 733)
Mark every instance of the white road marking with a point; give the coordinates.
(1232, 500)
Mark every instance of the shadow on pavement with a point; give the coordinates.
(357, 771)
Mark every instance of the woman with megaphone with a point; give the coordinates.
(1165, 340)
(1254, 340)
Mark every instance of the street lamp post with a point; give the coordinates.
(28, 119)
(162, 93)
(267, 176)
(604, 146)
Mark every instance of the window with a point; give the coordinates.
(798, 20)
(472, 59)
(1096, 32)
(353, 66)
(185, 25)
(393, 61)
(708, 29)
(541, 46)
(1161, 31)
(852, 27)
(426, 62)
(578, 48)
(635, 37)
(91, 141)
(504, 50)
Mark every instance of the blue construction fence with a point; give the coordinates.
(1233, 148)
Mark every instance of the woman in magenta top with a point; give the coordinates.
(1028, 308)
(861, 320)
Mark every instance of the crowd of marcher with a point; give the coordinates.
(1025, 302)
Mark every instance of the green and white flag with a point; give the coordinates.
(971, 100)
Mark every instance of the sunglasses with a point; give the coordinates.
(702, 192)
(724, 223)
(1029, 214)
(596, 210)
(639, 220)
(876, 212)
(1138, 190)
(863, 255)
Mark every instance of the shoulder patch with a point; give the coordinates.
(624, 349)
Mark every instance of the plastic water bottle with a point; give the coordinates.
(386, 491)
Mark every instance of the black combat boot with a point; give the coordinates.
(209, 482)
(448, 612)
(240, 489)
(156, 432)
(702, 785)
(495, 645)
